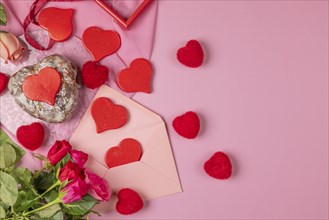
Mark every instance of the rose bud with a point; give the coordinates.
(58, 151)
(71, 171)
(75, 190)
(98, 187)
(79, 157)
(10, 47)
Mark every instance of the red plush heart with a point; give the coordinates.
(129, 202)
(58, 22)
(3, 82)
(44, 86)
(191, 55)
(129, 150)
(94, 75)
(187, 125)
(107, 115)
(219, 166)
(136, 78)
(31, 136)
(100, 43)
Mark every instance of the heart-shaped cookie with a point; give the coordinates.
(191, 55)
(42, 87)
(219, 166)
(129, 150)
(31, 136)
(58, 22)
(100, 43)
(107, 115)
(187, 125)
(129, 202)
(136, 78)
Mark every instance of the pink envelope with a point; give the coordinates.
(155, 175)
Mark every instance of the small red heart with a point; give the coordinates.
(218, 166)
(129, 150)
(58, 22)
(187, 125)
(94, 75)
(44, 86)
(129, 202)
(100, 43)
(3, 82)
(191, 55)
(31, 136)
(136, 78)
(107, 115)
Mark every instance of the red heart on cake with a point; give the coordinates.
(136, 78)
(31, 136)
(94, 75)
(100, 43)
(129, 150)
(187, 125)
(3, 82)
(58, 22)
(129, 202)
(218, 166)
(107, 115)
(44, 86)
(191, 55)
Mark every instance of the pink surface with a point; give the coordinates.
(263, 97)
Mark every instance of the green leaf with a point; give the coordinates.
(3, 16)
(44, 180)
(7, 156)
(23, 176)
(48, 212)
(2, 213)
(26, 199)
(4, 138)
(51, 196)
(81, 207)
(8, 189)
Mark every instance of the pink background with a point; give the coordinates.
(262, 95)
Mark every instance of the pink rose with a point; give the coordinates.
(10, 47)
(75, 190)
(79, 157)
(58, 151)
(71, 171)
(98, 187)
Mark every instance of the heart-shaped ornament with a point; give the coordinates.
(129, 150)
(94, 75)
(107, 115)
(100, 43)
(187, 125)
(42, 87)
(191, 55)
(31, 136)
(136, 78)
(125, 23)
(129, 202)
(218, 166)
(58, 22)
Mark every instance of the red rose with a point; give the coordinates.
(58, 151)
(98, 187)
(79, 157)
(71, 171)
(75, 190)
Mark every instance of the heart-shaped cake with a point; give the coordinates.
(46, 90)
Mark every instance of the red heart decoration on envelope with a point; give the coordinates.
(136, 78)
(100, 43)
(58, 22)
(42, 87)
(129, 150)
(107, 115)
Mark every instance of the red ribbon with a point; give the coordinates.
(30, 18)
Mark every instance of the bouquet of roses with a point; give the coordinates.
(62, 189)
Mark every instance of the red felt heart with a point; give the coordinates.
(191, 55)
(58, 22)
(129, 150)
(94, 75)
(3, 82)
(100, 43)
(218, 166)
(129, 202)
(44, 86)
(136, 78)
(31, 136)
(187, 125)
(107, 115)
